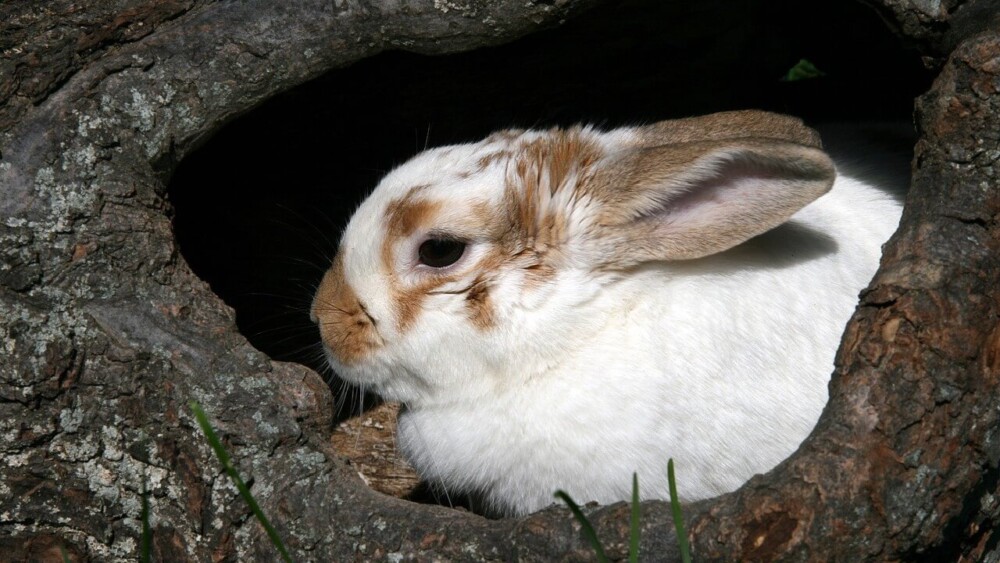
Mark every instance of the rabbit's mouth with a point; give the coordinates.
(355, 373)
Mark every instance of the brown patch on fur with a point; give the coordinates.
(344, 325)
(484, 213)
(408, 305)
(537, 275)
(553, 166)
(410, 301)
(482, 313)
(505, 136)
(481, 309)
(403, 217)
(492, 158)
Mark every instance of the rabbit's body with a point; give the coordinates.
(680, 337)
(549, 357)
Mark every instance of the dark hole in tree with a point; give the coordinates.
(259, 208)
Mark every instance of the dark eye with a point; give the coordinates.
(440, 253)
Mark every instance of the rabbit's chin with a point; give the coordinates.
(389, 384)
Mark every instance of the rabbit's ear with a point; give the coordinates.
(724, 125)
(690, 200)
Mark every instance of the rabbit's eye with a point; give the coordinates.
(440, 253)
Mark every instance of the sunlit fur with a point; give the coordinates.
(589, 373)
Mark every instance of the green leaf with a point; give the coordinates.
(675, 507)
(585, 527)
(803, 70)
(227, 464)
(633, 544)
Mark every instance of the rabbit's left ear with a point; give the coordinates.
(690, 200)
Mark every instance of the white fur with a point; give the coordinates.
(720, 363)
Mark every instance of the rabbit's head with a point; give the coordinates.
(470, 267)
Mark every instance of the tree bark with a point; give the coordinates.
(107, 334)
(904, 461)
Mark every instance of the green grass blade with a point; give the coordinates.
(62, 551)
(227, 464)
(585, 526)
(633, 543)
(675, 507)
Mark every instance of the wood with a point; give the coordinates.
(107, 334)
(368, 441)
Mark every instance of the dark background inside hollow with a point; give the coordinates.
(259, 208)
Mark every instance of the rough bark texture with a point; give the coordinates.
(904, 460)
(938, 26)
(107, 335)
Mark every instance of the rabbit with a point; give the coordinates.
(558, 309)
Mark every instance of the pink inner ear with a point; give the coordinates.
(722, 204)
(689, 201)
(737, 190)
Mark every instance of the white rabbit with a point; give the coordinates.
(559, 309)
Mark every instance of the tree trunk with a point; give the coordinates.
(108, 335)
